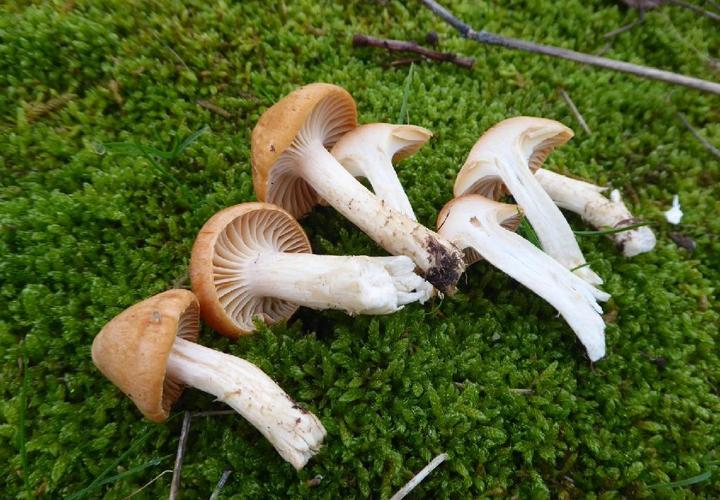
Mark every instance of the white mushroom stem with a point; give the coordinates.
(574, 299)
(368, 151)
(357, 285)
(586, 199)
(553, 230)
(392, 230)
(295, 433)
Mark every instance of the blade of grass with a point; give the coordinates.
(131, 471)
(21, 433)
(221, 484)
(92, 486)
(404, 115)
(579, 267)
(612, 231)
(527, 232)
(700, 478)
(185, 143)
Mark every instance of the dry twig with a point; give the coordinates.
(402, 492)
(707, 144)
(404, 46)
(571, 55)
(182, 442)
(221, 484)
(213, 108)
(575, 112)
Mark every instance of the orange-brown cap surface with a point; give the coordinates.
(133, 348)
(278, 127)
(227, 241)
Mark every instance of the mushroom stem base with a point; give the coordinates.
(586, 200)
(357, 285)
(295, 433)
(395, 232)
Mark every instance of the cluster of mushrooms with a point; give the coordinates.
(254, 262)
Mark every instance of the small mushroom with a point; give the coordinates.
(254, 260)
(369, 151)
(503, 160)
(293, 168)
(149, 352)
(484, 228)
(586, 199)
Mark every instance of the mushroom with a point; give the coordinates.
(254, 260)
(586, 199)
(484, 228)
(293, 168)
(369, 151)
(503, 160)
(149, 352)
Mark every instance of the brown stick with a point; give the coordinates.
(571, 55)
(695, 8)
(706, 144)
(404, 46)
(575, 111)
(182, 442)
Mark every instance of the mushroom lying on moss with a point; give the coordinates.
(293, 168)
(254, 261)
(482, 228)
(149, 352)
(586, 199)
(503, 160)
(369, 151)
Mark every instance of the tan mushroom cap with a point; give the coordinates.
(535, 138)
(133, 348)
(277, 129)
(507, 215)
(228, 240)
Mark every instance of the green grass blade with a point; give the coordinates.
(579, 267)
(185, 143)
(404, 115)
(612, 231)
(526, 231)
(99, 480)
(700, 478)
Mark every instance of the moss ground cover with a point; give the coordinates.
(83, 235)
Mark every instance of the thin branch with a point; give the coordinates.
(221, 484)
(627, 27)
(214, 108)
(404, 46)
(710, 147)
(402, 492)
(575, 112)
(695, 8)
(571, 55)
(182, 442)
(213, 413)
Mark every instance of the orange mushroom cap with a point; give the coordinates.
(229, 238)
(276, 131)
(133, 348)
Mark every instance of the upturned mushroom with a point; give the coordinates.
(149, 352)
(254, 260)
(293, 168)
(503, 160)
(484, 228)
(586, 200)
(370, 150)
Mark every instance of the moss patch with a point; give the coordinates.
(84, 235)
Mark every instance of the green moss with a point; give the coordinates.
(82, 236)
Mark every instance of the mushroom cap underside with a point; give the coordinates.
(533, 138)
(228, 242)
(133, 348)
(466, 208)
(277, 129)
